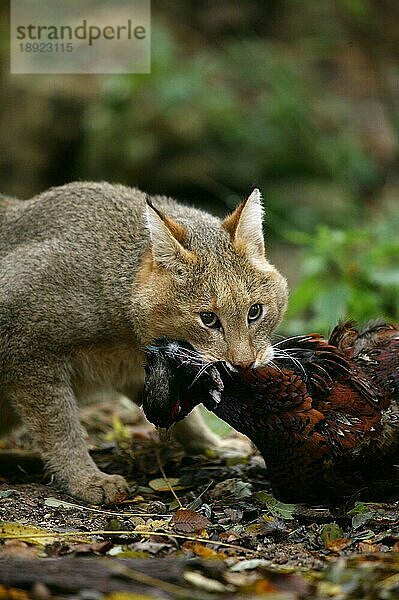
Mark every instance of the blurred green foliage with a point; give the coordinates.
(247, 111)
(349, 273)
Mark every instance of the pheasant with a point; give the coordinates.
(324, 413)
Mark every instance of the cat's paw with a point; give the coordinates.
(99, 488)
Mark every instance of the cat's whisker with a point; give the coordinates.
(200, 372)
(294, 337)
(192, 360)
(226, 366)
(295, 361)
(273, 364)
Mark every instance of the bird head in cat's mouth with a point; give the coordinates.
(177, 379)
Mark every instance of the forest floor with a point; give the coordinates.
(193, 528)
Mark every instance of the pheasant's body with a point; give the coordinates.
(324, 415)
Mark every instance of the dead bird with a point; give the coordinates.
(323, 413)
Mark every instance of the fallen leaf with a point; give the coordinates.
(202, 550)
(229, 536)
(149, 546)
(17, 549)
(187, 520)
(93, 548)
(137, 521)
(365, 547)
(128, 596)
(232, 487)
(333, 537)
(157, 507)
(205, 583)
(246, 565)
(242, 579)
(339, 544)
(361, 513)
(163, 485)
(234, 515)
(151, 525)
(275, 507)
(263, 586)
(55, 503)
(115, 525)
(9, 593)
(10, 530)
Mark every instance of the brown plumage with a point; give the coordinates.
(324, 414)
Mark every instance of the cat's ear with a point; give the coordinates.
(167, 239)
(245, 226)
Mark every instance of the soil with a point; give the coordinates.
(193, 527)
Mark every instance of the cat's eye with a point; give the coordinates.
(254, 312)
(210, 320)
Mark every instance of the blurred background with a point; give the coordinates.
(298, 98)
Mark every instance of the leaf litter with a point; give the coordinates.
(201, 510)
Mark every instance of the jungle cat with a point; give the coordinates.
(90, 273)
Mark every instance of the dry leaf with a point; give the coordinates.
(93, 548)
(55, 503)
(248, 565)
(189, 521)
(205, 583)
(128, 596)
(229, 536)
(163, 485)
(333, 537)
(233, 487)
(17, 549)
(10, 530)
(368, 548)
(202, 550)
(338, 544)
(151, 525)
(9, 593)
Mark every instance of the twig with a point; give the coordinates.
(166, 479)
(107, 512)
(201, 494)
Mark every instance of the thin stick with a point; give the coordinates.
(106, 512)
(203, 491)
(166, 479)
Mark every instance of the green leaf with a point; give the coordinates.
(331, 532)
(275, 507)
(361, 514)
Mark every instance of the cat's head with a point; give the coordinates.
(209, 282)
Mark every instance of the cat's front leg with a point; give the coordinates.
(46, 402)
